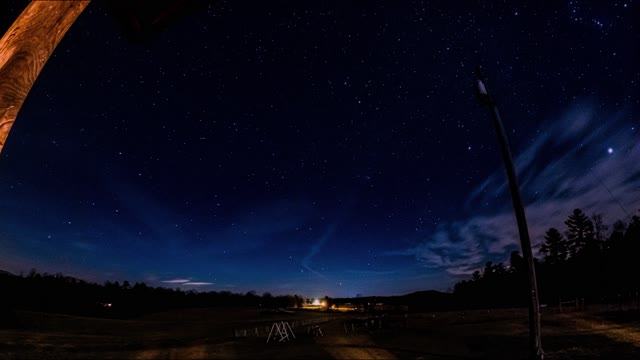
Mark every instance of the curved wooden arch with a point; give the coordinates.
(25, 48)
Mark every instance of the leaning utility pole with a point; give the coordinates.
(485, 99)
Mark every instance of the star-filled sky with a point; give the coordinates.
(318, 148)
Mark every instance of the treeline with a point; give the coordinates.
(588, 260)
(416, 302)
(63, 294)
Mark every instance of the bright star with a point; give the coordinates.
(610, 150)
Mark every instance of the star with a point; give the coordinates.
(306, 166)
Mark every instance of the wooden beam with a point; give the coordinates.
(25, 48)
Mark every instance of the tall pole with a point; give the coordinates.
(535, 342)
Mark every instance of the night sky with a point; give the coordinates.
(318, 148)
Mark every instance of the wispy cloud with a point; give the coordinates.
(197, 283)
(176, 281)
(566, 166)
(266, 224)
(250, 230)
(449, 248)
(315, 248)
(83, 245)
(186, 282)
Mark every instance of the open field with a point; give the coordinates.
(220, 333)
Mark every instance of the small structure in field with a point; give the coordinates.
(282, 330)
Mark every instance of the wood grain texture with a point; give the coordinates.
(25, 48)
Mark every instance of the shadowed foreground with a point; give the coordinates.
(219, 333)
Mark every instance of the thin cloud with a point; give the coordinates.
(581, 174)
(197, 283)
(176, 281)
(83, 245)
(315, 249)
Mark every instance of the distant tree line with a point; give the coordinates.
(587, 260)
(63, 294)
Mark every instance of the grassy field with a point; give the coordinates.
(220, 333)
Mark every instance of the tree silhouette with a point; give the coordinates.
(554, 248)
(632, 234)
(589, 264)
(630, 248)
(579, 232)
(476, 276)
(516, 263)
(599, 228)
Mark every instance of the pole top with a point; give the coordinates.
(481, 89)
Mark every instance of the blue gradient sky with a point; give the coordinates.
(318, 149)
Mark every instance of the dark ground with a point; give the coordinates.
(210, 333)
